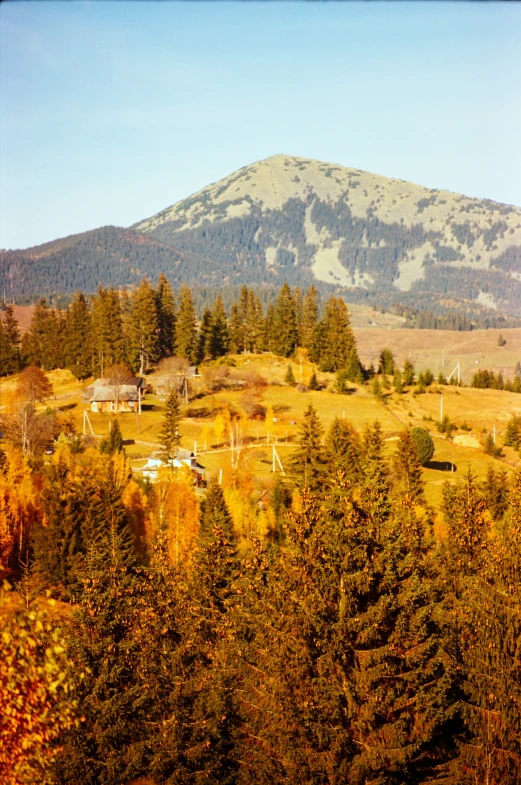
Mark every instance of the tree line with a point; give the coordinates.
(141, 327)
(339, 641)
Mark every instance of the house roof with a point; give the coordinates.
(103, 391)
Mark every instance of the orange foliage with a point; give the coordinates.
(176, 509)
(19, 510)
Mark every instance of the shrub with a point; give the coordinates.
(423, 443)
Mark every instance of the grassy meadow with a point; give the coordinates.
(282, 410)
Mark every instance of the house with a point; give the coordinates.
(116, 395)
(182, 458)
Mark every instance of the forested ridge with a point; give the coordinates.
(367, 237)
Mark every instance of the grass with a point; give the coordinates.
(480, 409)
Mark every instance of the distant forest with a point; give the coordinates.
(231, 253)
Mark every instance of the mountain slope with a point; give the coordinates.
(369, 237)
(111, 256)
(303, 220)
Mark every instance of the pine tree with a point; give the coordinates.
(289, 378)
(113, 443)
(143, 329)
(235, 330)
(343, 449)
(285, 324)
(108, 747)
(186, 335)
(374, 492)
(78, 338)
(308, 460)
(107, 330)
(42, 345)
(408, 373)
(313, 382)
(220, 339)
(170, 436)
(204, 344)
(386, 362)
(339, 346)
(407, 469)
(166, 317)
(309, 320)
(214, 711)
(10, 359)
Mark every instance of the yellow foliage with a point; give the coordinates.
(176, 509)
(135, 501)
(19, 509)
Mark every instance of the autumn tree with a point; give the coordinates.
(37, 691)
(33, 385)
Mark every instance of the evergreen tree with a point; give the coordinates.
(214, 711)
(10, 359)
(42, 345)
(386, 362)
(235, 331)
(289, 378)
(107, 748)
(343, 449)
(166, 317)
(284, 323)
(186, 335)
(408, 373)
(113, 443)
(309, 320)
(374, 493)
(338, 348)
(78, 338)
(220, 339)
(170, 436)
(204, 342)
(143, 329)
(407, 467)
(423, 443)
(313, 382)
(308, 460)
(107, 330)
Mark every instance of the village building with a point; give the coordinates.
(182, 458)
(110, 395)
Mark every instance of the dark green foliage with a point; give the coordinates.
(386, 362)
(78, 338)
(289, 378)
(407, 465)
(170, 436)
(513, 432)
(107, 330)
(423, 443)
(42, 345)
(220, 338)
(408, 373)
(166, 317)
(343, 449)
(284, 323)
(337, 346)
(446, 426)
(143, 329)
(308, 460)
(10, 360)
(113, 443)
(491, 448)
(186, 336)
(313, 382)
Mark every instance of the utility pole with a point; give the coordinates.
(441, 407)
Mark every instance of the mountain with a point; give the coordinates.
(305, 221)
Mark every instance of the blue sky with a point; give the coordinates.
(111, 111)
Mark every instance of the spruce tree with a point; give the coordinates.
(407, 469)
(113, 443)
(220, 339)
(143, 329)
(309, 320)
(170, 435)
(186, 335)
(204, 341)
(339, 346)
(289, 378)
(284, 323)
(78, 338)
(308, 461)
(214, 720)
(10, 359)
(166, 317)
(107, 330)
(343, 449)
